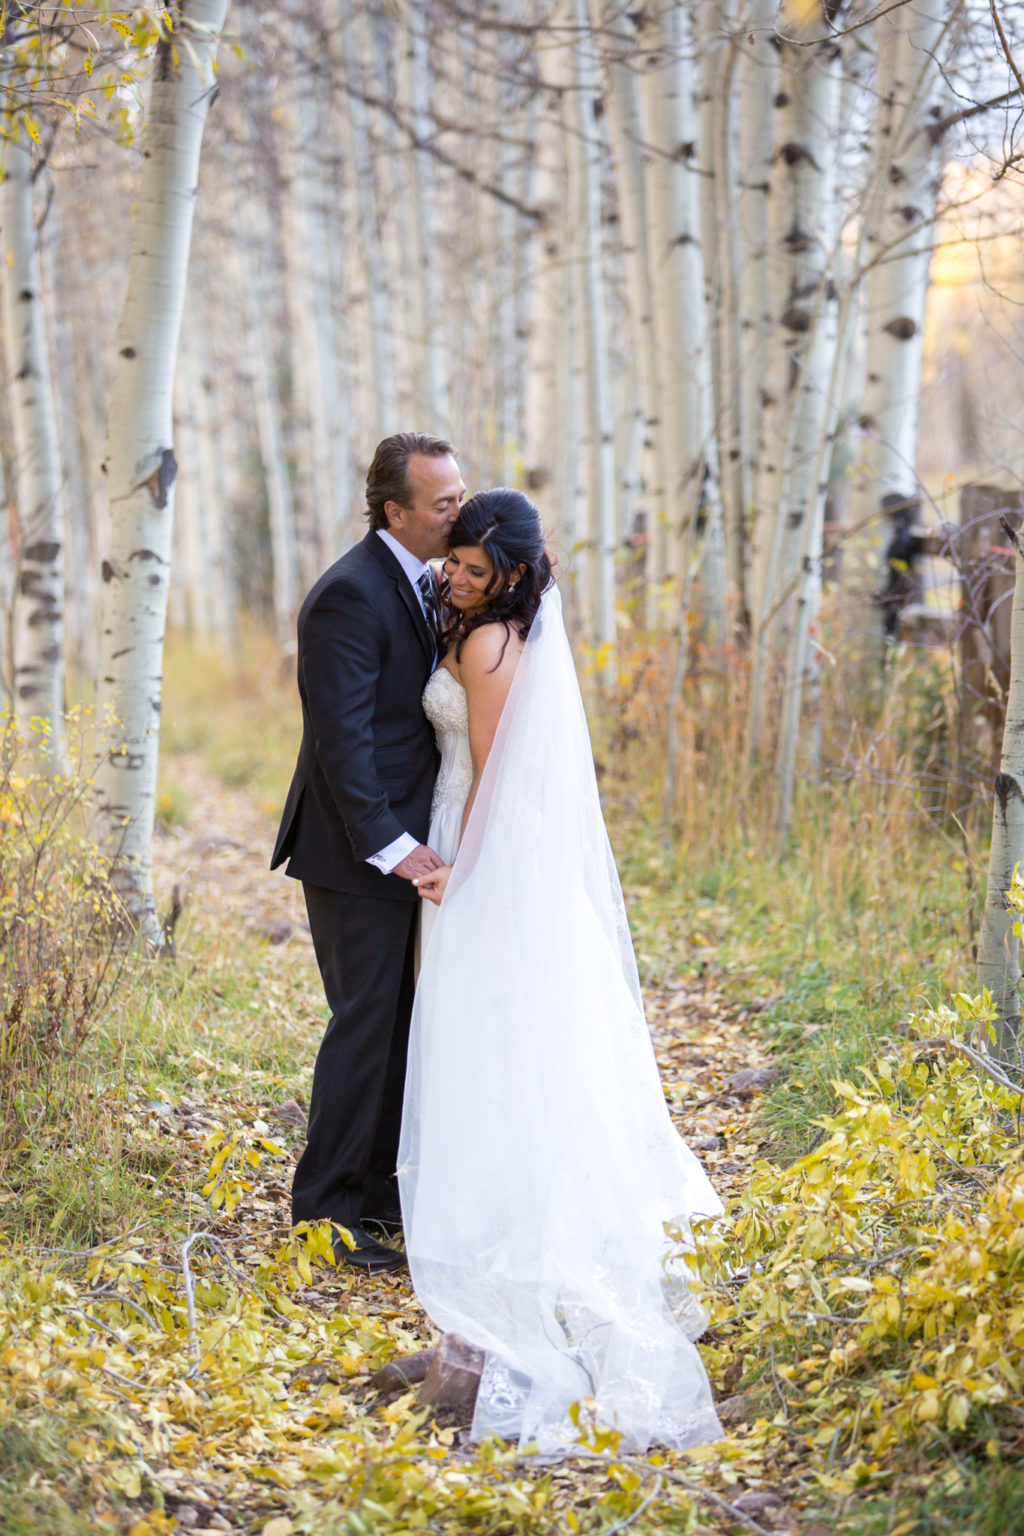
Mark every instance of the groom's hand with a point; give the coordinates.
(422, 861)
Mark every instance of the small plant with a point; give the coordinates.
(226, 1183)
(59, 952)
(172, 807)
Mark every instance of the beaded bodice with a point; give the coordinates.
(444, 703)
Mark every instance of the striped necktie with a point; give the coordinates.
(431, 606)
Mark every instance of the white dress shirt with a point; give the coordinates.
(386, 858)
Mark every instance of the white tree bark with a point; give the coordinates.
(212, 445)
(547, 353)
(683, 372)
(628, 133)
(756, 74)
(75, 411)
(431, 373)
(801, 660)
(805, 232)
(906, 165)
(600, 433)
(721, 556)
(252, 284)
(355, 43)
(192, 555)
(140, 457)
(38, 626)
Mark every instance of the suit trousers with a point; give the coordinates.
(365, 948)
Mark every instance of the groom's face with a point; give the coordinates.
(435, 494)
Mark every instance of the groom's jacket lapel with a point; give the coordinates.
(409, 599)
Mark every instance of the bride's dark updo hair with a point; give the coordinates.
(507, 525)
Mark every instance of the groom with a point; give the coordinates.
(354, 829)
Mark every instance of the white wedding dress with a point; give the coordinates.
(538, 1164)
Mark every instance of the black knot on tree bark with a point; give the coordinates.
(162, 478)
(43, 552)
(1006, 786)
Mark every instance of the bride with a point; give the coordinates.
(538, 1166)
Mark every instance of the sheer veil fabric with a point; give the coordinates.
(538, 1164)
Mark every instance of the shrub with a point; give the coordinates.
(60, 951)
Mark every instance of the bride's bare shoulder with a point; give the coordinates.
(489, 650)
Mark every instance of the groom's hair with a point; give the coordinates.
(388, 477)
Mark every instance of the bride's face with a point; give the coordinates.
(469, 571)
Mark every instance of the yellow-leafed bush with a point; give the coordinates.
(59, 952)
(878, 1282)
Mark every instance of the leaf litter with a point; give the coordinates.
(211, 1371)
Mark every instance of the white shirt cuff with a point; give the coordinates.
(393, 854)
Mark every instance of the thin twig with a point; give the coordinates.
(705, 1495)
(623, 1525)
(126, 1301)
(190, 1300)
(983, 1063)
(97, 1322)
(237, 1270)
(1005, 44)
(969, 1173)
(136, 1386)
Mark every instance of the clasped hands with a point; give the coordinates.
(428, 873)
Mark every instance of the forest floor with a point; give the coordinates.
(174, 1359)
(713, 1067)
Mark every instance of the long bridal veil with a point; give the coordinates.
(538, 1164)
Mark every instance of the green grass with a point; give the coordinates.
(829, 949)
(969, 1499)
(868, 916)
(240, 711)
(38, 1481)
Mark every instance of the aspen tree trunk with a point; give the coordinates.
(801, 664)
(212, 444)
(756, 73)
(724, 523)
(677, 265)
(73, 424)
(547, 368)
(356, 45)
(323, 473)
(805, 227)
(600, 434)
(906, 164)
(252, 285)
(628, 133)
(999, 946)
(140, 457)
(392, 198)
(431, 381)
(191, 553)
(38, 621)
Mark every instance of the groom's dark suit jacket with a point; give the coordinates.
(367, 762)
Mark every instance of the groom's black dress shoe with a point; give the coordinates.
(368, 1255)
(389, 1222)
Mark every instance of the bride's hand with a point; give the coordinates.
(433, 886)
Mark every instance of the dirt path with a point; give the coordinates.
(711, 1064)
